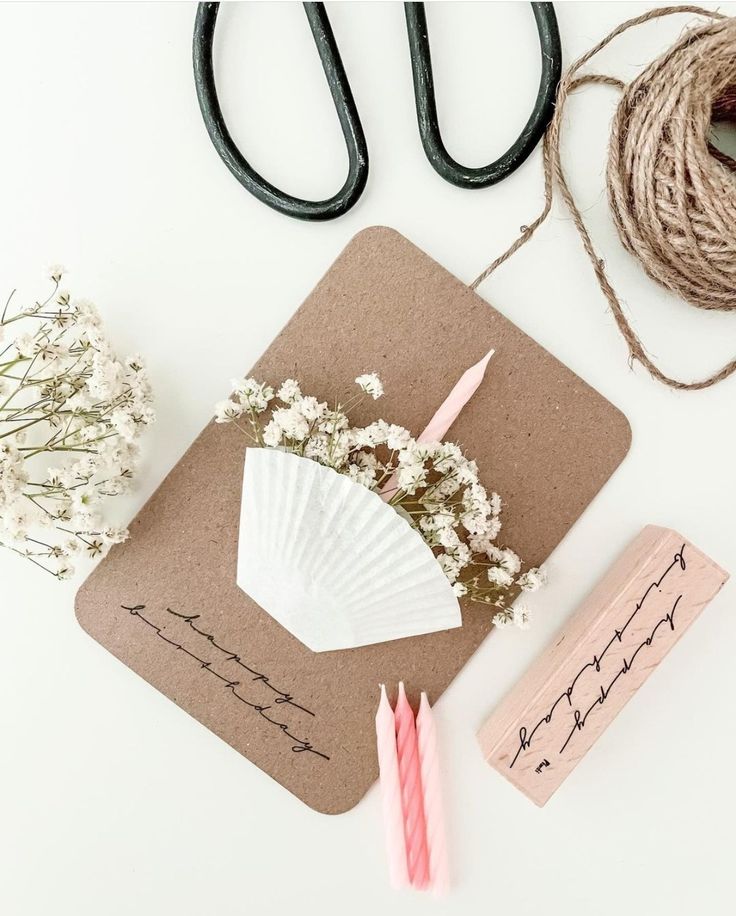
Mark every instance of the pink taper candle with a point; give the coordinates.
(447, 413)
(411, 791)
(433, 811)
(393, 814)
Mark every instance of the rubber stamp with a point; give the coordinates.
(619, 635)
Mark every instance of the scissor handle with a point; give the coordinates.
(421, 64)
(352, 130)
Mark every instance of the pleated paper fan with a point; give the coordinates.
(331, 561)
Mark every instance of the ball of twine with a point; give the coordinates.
(672, 193)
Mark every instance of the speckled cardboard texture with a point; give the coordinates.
(166, 602)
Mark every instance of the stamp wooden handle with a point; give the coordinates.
(623, 629)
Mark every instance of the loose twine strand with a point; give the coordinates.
(672, 194)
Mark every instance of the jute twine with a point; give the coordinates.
(671, 193)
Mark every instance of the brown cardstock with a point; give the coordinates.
(166, 602)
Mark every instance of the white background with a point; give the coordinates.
(112, 800)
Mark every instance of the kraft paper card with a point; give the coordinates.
(167, 604)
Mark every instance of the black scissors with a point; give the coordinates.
(440, 159)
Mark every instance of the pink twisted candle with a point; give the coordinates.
(433, 810)
(411, 792)
(447, 413)
(393, 815)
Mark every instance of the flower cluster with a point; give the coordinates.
(71, 414)
(431, 484)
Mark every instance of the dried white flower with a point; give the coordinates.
(499, 576)
(510, 562)
(72, 413)
(86, 315)
(122, 423)
(227, 411)
(292, 422)
(25, 344)
(55, 272)
(411, 475)
(317, 448)
(397, 438)
(289, 391)
(371, 384)
(311, 409)
(252, 395)
(115, 535)
(522, 617)
(532, 580)
(272, 434)
(334, 421)
(361, 475)
(450, 566)
(65, 570)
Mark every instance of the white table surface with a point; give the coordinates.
(112, 800)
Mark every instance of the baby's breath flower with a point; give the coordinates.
(252, 395)
(334, 421)
(124, 424)
(532, 580)
(371, 384)
(292, 422)
(26, 345)
(272, 434)
(379, 432)
(450, 566)
(317, 447)
(510, 562)
(64, 571)
(55, 272)
(68, 436)
(311, 409)
(115, 535)
(411, 477)
(227, 411)
(499, 576)
(289, 391)
(397, 438)
(86, 314)
(96, 547)
(361, 475)
(522, 617)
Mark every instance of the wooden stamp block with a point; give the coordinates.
(623, 629)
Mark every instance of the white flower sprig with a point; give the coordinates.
(432, 485)
(70, 416)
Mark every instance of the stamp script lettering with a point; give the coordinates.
(235, 688)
